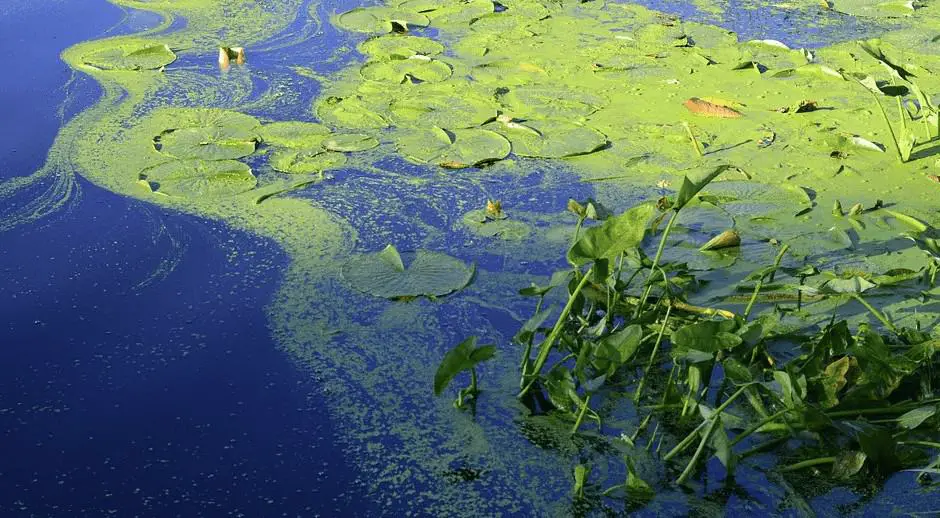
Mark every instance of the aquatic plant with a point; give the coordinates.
(465, 356)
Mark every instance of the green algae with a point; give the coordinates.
(602, 85)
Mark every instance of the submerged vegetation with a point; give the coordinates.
(744, 326)
(707, 382)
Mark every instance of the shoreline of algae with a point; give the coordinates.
(378, 356)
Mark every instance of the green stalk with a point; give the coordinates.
(649, 365)
(659, 255)
(928, 444)
(894, 138)
(691, 437)
(549, 342)
(584, 407)
(808, 464)
(879, 315)
(743, 435)
(687, 472)
(760, 282)
(695, 143)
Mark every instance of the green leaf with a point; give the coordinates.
(385, 275)
(550, 138)
(380, 20)
(400, 70)
(349, 142)
(620, 346)
(708, 337)
(403, 45)
(848, 463)
(852, 285)
(916, 417)
(615, 235)
(453, 149)
(559, 384)
(138, 56)
(306, 161)
(294, 134)
(792, 392)
(350, 112)
(689, 188)
(722, 446)
(209, 134)
(636, 487)
(462, 357)
(200, 178)
(834, 380)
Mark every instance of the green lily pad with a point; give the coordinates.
(453, 149)
(380, 20)
(550, 138)
(196, 178)
(131, 57)
(350, 142)
(443, 105)
(876, 8)
(399, 70)
(209, 134)
(430, 274)
(477, 222)
(349, 112)
(294, 134)
(403, 45)
(306, 161)
(551, 102)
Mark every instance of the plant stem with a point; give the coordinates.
(687, 472)
(549, 342)
(659, 255)
(760, 282)
(695, 143)
(649, 365)
(807, 464)
(473, 380)
(879, 315)
(689, 438)
(741, 436)
(928, 444)
(584, 407)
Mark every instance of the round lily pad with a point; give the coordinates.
(204, 143)
(294, 134)
(195, 178)
(550, 138)
(442, 105)
(404, 45)
(307, 161)
(875, 8)
(380, 20)
(550, 102)
(453, 149)
(135, 57)
(477, 222)
(384, 274)
(350, 142)
(209, 134)
(397, 70)
(349, 112)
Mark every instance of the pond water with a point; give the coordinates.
(183, 336)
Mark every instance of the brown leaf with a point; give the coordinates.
(707, 109)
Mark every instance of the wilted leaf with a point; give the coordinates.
(708, 109)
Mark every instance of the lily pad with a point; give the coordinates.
(380, 20)
(350, 142)
(876, 8)
(399, 70)
(384, 274)
(550, 102)
(443, 105)
(209, 134)
(476, 221)
(453, 149)
(349, 112)
(196, 178)
(306, 161)
(294, 134)
(403, 45)
(550, 138)
(136, 57)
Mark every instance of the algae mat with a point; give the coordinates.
(335, 153)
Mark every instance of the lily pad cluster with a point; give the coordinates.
(201, 151)
(308, 147)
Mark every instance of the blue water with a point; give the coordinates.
(137, 374)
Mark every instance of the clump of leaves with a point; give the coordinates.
(463, 358)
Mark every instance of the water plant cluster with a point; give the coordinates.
(857, 402)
